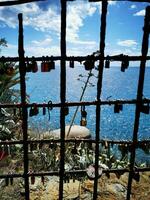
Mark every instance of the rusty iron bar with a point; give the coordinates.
(62, 95)
(73, 58)
(99, 89)
(144, 51)
(23, 101)
(72, 104)
(76, 140)
(81, 172)
(17, 2)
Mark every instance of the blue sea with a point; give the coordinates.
(42, 87)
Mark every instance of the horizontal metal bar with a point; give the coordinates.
(80, 172)
(72, 104)
(73, 58)
(46, 141)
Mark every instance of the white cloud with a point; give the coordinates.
(44, 42)
(112, 2)
(34, 16)
(48, 21)
(76, 15)
(133, 6)
(127, 43)
(140, 13)
(42, 51)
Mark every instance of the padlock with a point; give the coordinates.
(14, 111)
(10, 71)
(45, 66)
(6, 149)
(67, 179)
(125, 63)
(83, 113)
(51, 145)
(28, 67)
(71, 64)
(106, 144)
(11, 181)
(107, 175)
(33, 110)
(51, 65)
(32, 180)
(118, 108)
(89, 64)
(41, 145)
(74, 150)
(107, 62)
(42, 179)
(44, 110)
(66, 110)
(31, 113)
(118, 174)
(91, 172)
(31, 146)
(136, 176)
(34, 66)
(83, 122)
(6, 181)
(55, 146)
(74, 179)
(145, 109)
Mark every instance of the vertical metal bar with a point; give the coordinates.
(99, 89)
(22, 71)
(62, 94)
(144, 50)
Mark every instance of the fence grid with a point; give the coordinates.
(139, 101)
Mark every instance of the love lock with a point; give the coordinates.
(42, 179)
(107, 62)
(28, 67)
(10, 71)
(32, 180)
(11, 180)
(6, 181)
(91, 172)
(83, 121)
(44, 67)
(34, 110)
(145, 108)
(66, 110)
(34, 66)
(51, 65)
(44, 110)
(89, 64)
(136, 176)
(74, 150)
(118, 108)
(71, 64)
(125, 63)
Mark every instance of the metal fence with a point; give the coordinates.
(139, 101)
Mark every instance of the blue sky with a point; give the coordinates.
(42, 28)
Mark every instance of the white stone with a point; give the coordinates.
(75, 132)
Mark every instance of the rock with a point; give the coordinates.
(117, 189)
(75, 132)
